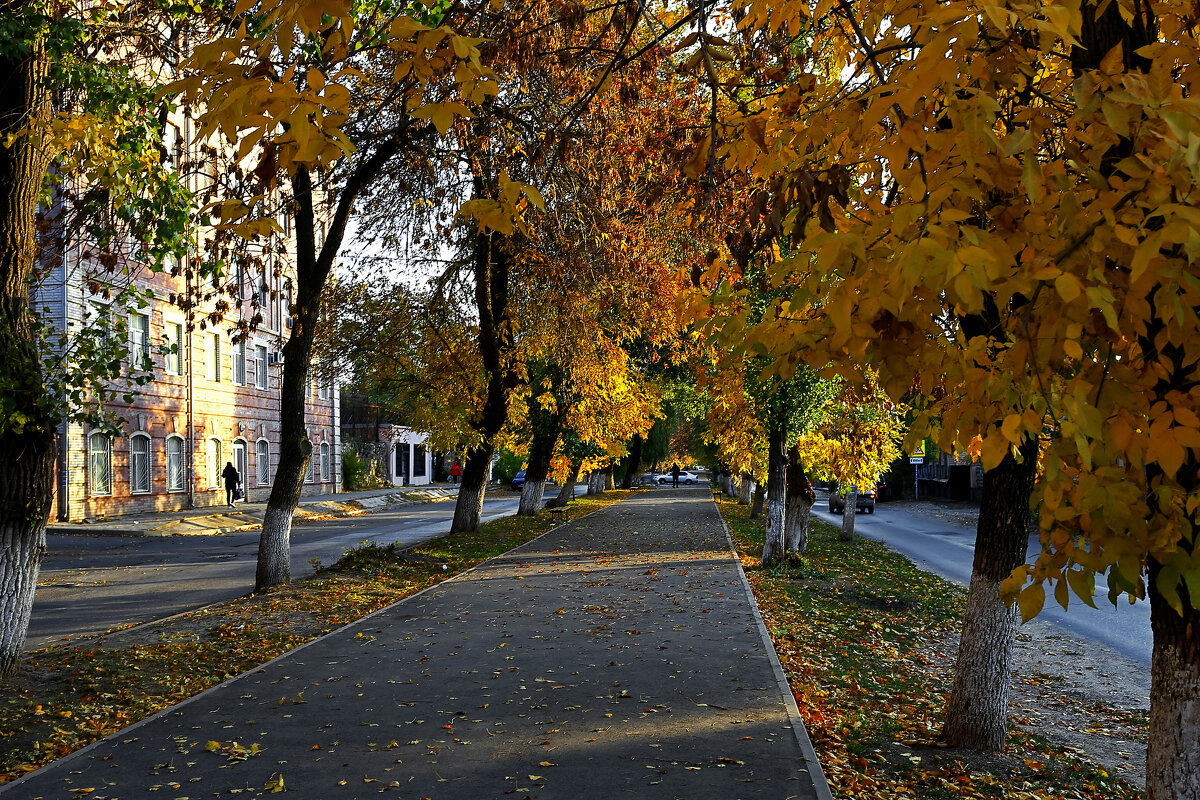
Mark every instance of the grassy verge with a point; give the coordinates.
(66, 697)
(862, 634)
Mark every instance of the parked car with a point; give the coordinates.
(865, 501)
(685, 477)
(518, 481)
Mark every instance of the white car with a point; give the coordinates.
(686, 478)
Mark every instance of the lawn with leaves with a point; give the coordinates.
(858, 629)
(66, 697)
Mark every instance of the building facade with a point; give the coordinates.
(213, 399)
(213, 395)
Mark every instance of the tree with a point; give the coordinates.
(320, 124)
(1022, 166)
(80, 141)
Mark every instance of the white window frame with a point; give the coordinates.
(325, 462)
(323, 390)
(262, 462)
(260, 366)
(139, 351)
(100, 477)
(136, 441)
(214, 464)
(212, 355)
(173, 362)
(310, 474)
(180, 470)
(239, 363)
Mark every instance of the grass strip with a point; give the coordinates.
(862, 635)
(68, 696)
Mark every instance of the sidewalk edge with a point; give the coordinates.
(820, 785)
(70, 757)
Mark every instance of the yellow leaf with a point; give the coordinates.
(1068, 287)
(1031, 600)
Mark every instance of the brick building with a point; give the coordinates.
(211, 400)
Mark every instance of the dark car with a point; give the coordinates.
(518, 481)
(865, 501)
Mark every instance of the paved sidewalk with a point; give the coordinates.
(213, 520)
(616, 656)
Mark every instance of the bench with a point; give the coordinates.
(560, 512)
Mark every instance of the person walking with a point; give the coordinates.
(232, 481)
(455, 471)
(675, 475)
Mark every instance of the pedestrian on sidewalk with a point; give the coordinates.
(455, 471)
(232, 480)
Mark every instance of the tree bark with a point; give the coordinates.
(848, 512)
(1173, 754)
(541, 450)
(800, 499)
(491, 261)
(27, 470)
(634, 462)
(756, 506)
(468, 510)
(774, 537)
(745, 490)
(609, 479)
(731, 486)
(977, 711)
(567, 492)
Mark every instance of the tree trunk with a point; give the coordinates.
(731, 486)
(27, 470)
(756, 507)
(745, 490)
(1173, 755)
(491, 266)
(800, 499)
(566, 492)
(593, 484)
(848, 511)
(541, 450)
(977, 711)
(469, 508)
(773, 539)
(633, 463)
(610, 481)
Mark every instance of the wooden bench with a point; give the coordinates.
(560, 512)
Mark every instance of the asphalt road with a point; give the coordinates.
(946, 546)
(91, 584)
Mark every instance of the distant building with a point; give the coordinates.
(400, 455)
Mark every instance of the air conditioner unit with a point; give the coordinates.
(274, 358)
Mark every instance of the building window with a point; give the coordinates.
(214, 464)
(99, 464)
(260, 365)
(323, 391)
(262, 461)
(139, 340)
(310, 475)
(419, 461)
(324, 462)
(214, 357)
(239, 363)
(139, 464)
(175, 468)
(173, 340)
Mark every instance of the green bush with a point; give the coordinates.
(356, 473)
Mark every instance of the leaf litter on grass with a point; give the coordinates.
(857, 628)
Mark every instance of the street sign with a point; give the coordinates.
(916, 459)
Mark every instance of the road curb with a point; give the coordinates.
(820, 784)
